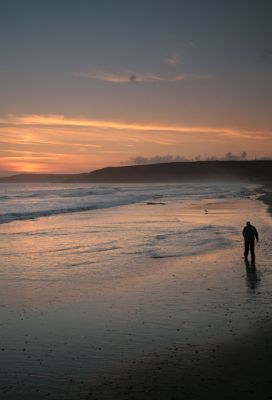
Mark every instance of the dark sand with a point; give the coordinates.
(241, 370)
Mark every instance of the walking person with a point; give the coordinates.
(250, 233)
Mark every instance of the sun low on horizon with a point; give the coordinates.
(85, 85)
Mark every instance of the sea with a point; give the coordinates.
(31, 201)
(98, 227)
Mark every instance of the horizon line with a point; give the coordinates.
(14, 173)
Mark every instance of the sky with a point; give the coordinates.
(88, 84)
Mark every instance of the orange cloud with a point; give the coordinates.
(60, 144)
(61, 121)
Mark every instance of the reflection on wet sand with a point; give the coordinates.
(252, 274)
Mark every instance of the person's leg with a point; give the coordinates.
(252, 252)
(246, 248)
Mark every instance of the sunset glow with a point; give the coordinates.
(135, 146)
(79, 101)
(54, 143)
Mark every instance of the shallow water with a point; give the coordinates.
(82, 293)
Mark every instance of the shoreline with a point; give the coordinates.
(266, 197)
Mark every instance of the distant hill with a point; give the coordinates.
(45, 178)
(252, 171)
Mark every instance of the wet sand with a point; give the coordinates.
(266, 197)
(235, 369)
(192, 327)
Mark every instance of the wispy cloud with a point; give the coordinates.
(61, 121)
(189, 44)
(173, 60)
(134, 77)
(266, 55)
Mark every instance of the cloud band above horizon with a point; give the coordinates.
(60, 120)
(60, 144)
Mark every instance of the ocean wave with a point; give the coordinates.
(58, 193)
(20, 203)
(29, 215)
(10, 217)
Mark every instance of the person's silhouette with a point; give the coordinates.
(250, 233)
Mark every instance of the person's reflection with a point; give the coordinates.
(252, 275)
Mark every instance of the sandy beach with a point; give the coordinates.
(164, 308)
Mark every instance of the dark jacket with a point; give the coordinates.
(250, 233)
